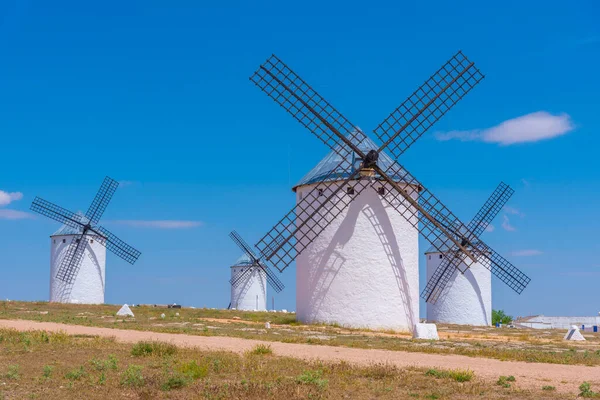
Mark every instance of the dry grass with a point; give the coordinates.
(503, 344)
(37, 365)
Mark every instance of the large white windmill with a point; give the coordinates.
(353, 231)
(78, 249)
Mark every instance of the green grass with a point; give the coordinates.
(459, 375)
(261, 350)
(13, 372)
(132, 376)
(158, 349)
(312, 377)
(503, 381)
(548, 388)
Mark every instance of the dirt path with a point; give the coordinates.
(566, 378)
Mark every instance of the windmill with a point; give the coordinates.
(249, 277)
(79, 248)
(459, 295)
(355, 165)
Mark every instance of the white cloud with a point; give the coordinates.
(490, 228)
(506, 224)
(526, 253)
(14, 214)
(159, 224)
(6, 198)
(513, 211)
(126, 183)
(532, 127)
(525, 182)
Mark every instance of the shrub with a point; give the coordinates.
(133, 377)
(262, 349)
(13, 372)
(193, 370)
(459, 375)
(312, 377)
(174, 381)
(47, 371)
(75, 374)
(102, 365)
(498, 316)
(548, 388)
(503, 381)
(160, 349)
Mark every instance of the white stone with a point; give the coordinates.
(250, 294)
(466, 299)
(88, 286)
(177, 314)
(162, 316)
(268, 325)
(574, 334)
(362, 271)
(125, 311)
(425, 331)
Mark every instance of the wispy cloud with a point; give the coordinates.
(490, 228)
(506, 225)
(158, 224)
(526, 253)
(8, 197)
(126, 183)
(14, 214)
(532, 127)
(512, 211)
(525, 182)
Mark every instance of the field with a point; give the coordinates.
(42, 365)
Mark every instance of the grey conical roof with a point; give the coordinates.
(67, 230)
(333, 160)
(243, 261)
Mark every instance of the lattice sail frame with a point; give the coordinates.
(453, 81)
(256, 265)
(71, 262)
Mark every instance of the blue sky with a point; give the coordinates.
(158, 96)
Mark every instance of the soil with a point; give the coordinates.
(566, 378)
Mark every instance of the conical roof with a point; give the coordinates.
(332, 160)
(243, 261)
(68, 230)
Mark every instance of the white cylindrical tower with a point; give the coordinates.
(363, 269)
(251, 292)
(466, 299)
(88, 286)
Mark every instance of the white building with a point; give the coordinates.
(88, 286)
(251, 292)
(544, 322)
(466, 299)
(363, 269)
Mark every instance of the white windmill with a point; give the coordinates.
(353, 231)
(78, 258)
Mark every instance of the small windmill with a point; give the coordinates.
(345, 181)
(249, 277)
(450, 289)
(84, 229)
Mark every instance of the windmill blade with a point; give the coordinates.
(236, 280)
(442, 275)
(56, 213)
(103, 197)
(272, 278)
(434, 215)
(71, 262)
(310, 109)
(306, 220)
(243, 245)
(116, 245)
(490, 209)
(446, 87)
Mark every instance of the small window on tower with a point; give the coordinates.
(430, 257)
(54, 241)
(440, 256)
(91, 240)
(381, 191)
(350, 190)
(64, 240)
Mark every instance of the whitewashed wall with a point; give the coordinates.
(467, 298)
(362, 271)
(88, 287)
(251, 293)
